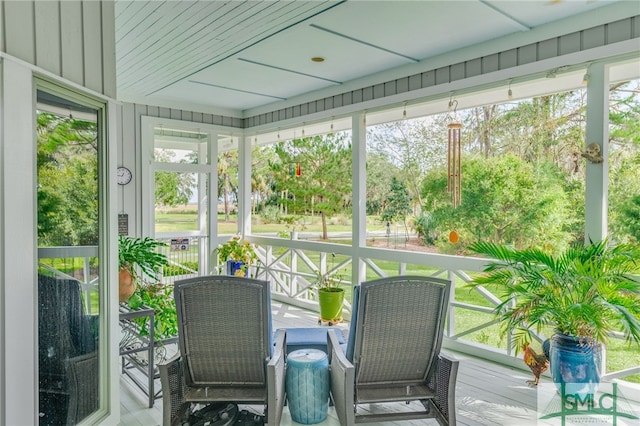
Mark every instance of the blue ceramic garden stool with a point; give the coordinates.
(307, 385)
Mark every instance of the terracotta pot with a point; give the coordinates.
(127, 286)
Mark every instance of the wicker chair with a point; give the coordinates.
(393, 353)
(68, 357)
(225, 348)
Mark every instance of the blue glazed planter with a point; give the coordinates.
(575, 363)
(233, 266)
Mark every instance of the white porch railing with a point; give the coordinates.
(78, 263)
(293, 265)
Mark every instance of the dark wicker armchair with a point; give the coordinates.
(68, 356)
(225, 348)
(393, 353)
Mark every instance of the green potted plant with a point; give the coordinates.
(159, 297)
(238, 255)
(583, 294)
(330, 298)
(138, 258)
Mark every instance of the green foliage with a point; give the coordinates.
(503, 199)
(327, 282)
(398, 202)
(624, 198)
(172, 188)
(630, 212)
(141, 257)
(586, 290)
(67, 181)
(323, 184)
(185, 267)
(159, 297)
(270, 214)
(380, 171)
(238, 250)
(424, 226)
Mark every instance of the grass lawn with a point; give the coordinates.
(619, 354)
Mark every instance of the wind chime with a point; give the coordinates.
(294, 169)
(454, 169)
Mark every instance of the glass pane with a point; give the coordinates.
(68, 291)
(624, 158)
(180, 202)
(515, 167)
(173, 145)
(302, 187)
(227, 190)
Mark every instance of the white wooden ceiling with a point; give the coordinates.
(231, 56)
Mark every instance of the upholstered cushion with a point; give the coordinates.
(310, 338)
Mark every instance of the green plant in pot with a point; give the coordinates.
(238, 255)
(330, 298)
(138, 258)
(584, 294)
(159, 297)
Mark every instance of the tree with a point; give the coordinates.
(315, 172)
(413, 147)
(172, 188)
(228, 179)
(262, 177)
(398, 204)
(507, 200)
(380, 171)
(67, 181)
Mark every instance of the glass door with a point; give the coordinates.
(68, 201)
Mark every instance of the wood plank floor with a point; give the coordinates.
(486, 393)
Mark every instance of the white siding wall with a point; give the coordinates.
(72, 40)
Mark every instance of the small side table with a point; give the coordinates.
(134, 343)
(307, 385)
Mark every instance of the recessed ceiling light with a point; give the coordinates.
(317, 59)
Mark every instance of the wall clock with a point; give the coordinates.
(124, 175)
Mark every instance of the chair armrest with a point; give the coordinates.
(342, 380)
(275, 380)
(174, 406)
(445, 385)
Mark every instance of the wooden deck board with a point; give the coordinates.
(486, 393)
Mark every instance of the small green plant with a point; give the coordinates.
(158, 297)
(328, 282)
(238, 250)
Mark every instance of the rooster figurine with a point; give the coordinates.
(538, 363)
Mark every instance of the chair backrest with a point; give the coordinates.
(224, 325)
(398, 329)
(64, 329)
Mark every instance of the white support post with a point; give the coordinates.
(244, 186)
(597, 131)
(212, 195)
(359, 194)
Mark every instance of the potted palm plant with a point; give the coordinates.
(238, 255)
(138, 258)
(584, 294)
